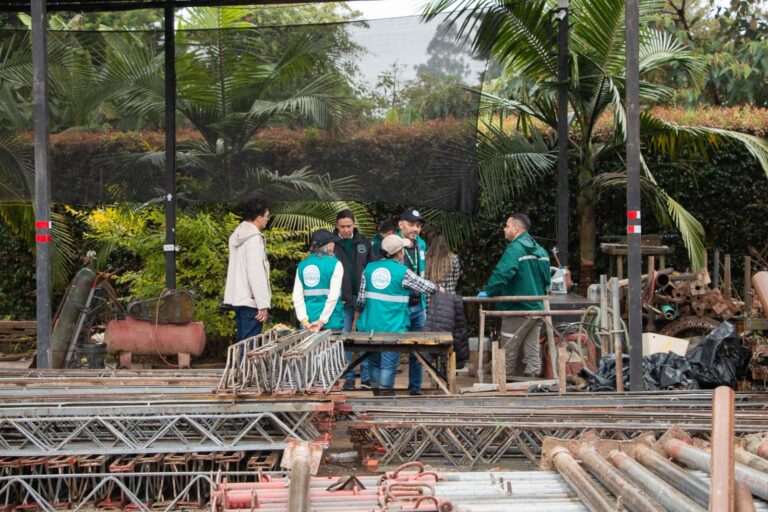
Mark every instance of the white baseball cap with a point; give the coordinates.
(394, 243)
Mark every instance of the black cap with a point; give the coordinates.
(412, 215)
(323, 237)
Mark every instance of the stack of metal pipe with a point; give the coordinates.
(647, 474)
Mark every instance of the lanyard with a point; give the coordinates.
(414, 264)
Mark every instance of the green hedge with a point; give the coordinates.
(729, 193)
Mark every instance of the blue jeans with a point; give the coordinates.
(415, 372)
(389, 360)
(349, 375)
(245, 320)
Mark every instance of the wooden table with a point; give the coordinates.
(417, 343)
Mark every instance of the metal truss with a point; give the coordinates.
(144, 489)
(474, 431)
(302, 362)
(156, 427)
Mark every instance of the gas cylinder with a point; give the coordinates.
(144, 338)
(66, 321)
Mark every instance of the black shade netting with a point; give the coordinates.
(382, 110)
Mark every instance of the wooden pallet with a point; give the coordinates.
(17, 336)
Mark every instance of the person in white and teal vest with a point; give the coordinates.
(317, 287)
(382, 305)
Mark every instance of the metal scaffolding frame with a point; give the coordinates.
(29, 429)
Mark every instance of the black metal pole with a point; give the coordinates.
(562, 132)
(42, 181)
(634, 232)
(170, 150)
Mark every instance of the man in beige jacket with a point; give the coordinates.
(247, 289)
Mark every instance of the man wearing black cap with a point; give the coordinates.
(415, 259)
(317, 287)
(354, 253)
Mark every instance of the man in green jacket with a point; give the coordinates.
(522, 270)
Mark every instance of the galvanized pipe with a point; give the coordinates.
(722, 494)
(579, 481)
(667, 496)
(751, 460)
(632, 498)
(691, 486)
(299, 496)
(617, 334)
(757, 481)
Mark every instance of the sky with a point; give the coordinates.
(376, 9)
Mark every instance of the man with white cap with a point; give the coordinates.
(317, 287)
(382, 304)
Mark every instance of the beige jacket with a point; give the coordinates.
(248, 270)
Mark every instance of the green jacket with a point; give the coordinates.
(522, 270)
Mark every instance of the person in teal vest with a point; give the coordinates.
(382, 304)
(415, 258)
(317, 287)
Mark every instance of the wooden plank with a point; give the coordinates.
(452, 385)
(18, 324)
(438, 379)
(500, 369)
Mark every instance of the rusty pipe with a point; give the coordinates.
(667, 496)
(744, 500)
(697, 458)
(760, 287)
(632, 498)
(722, 494)
(761, 449)
(690, 485)
(578, 480)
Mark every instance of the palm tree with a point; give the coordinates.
(517, 34)
(232, 85)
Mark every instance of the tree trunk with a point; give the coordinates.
(587, 239)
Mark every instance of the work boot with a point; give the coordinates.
(365, 384)
(415, 392)
(349, 385)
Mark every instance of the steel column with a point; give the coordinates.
(42, 181)
(634, 260)
(563, 194)
(170, 148)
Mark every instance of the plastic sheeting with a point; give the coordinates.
(718, 360)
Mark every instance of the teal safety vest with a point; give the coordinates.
(315, 274)
(386, 301)
(418, 264)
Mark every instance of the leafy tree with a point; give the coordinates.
(733, 41)
(202, 260)
(517, 34)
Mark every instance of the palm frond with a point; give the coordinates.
(659, 50)
(669, 139)
(510, 163)
(306, 216)
(457, 227)
(667, 211)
